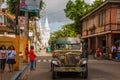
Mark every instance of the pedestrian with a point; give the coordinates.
(98, 53)
(32, 57)
(113, 50)
(118, 50)
(3, 56)
(11, 58)
(26, 53)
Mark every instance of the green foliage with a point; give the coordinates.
(69, 30)
(76, 10)
(96, 3)
(66, 31)
(31, 26)
(12, 5)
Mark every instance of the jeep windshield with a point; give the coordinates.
(68, 47)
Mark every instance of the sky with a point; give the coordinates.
(54, 11)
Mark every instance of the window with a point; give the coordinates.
(85, 25)
(93, 20)
(102, 18)
(118, 14)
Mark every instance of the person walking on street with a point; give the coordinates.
(98, 53)
(3, 56)
(11, 58)
(32, 58)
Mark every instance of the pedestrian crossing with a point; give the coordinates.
(89, 61)
(44, 60)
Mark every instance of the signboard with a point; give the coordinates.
(30, 5)
(21, 22)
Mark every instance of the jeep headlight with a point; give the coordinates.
(55, 62)
(84, 62)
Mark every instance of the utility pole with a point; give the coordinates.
(17, 31)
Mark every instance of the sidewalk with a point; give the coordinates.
(12, 75)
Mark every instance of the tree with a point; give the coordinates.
(11, 4)
(69, 30)
(76, 10)
(66, 31)
(96, 3)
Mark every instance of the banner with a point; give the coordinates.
(30, 5)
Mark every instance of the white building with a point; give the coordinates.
(44, 33)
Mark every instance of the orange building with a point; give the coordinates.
(101, 26)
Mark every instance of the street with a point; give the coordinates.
(98, 70)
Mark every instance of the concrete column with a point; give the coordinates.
(89, 44)
(96, 40)
(109, 40)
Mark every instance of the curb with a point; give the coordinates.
(15, 77)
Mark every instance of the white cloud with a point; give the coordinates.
(54, 9)
(89, 1)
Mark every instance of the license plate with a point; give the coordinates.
(70, 69)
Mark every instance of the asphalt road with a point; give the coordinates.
(98, 70)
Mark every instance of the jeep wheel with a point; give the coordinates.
(85, 73)
(54, 75)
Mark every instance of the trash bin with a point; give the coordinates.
(48, 49)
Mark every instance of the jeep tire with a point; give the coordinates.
(85, 73)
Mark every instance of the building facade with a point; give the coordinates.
(101, 27)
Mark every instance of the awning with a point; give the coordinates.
(30, 5)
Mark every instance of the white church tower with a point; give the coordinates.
(45, 33)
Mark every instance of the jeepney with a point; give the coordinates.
(69, 57)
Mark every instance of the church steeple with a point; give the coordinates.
(45, 32)
(47, 24)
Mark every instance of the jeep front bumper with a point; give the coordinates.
(69, 69)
